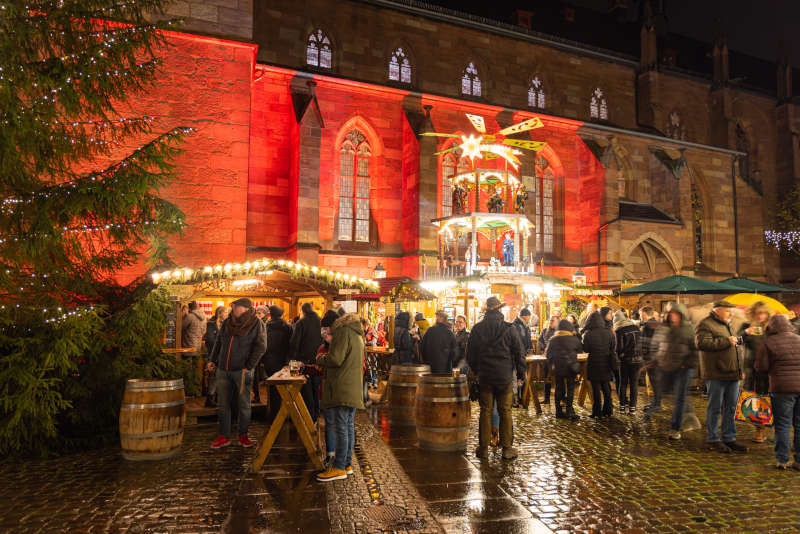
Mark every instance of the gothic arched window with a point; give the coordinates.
(448, 173)
(399, 67)
(697, 219)
(318, 50)
(536, 94)
(598, 108)
(539, 181)
(354, 159)
(470, 82)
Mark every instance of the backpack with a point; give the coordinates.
(632, 343)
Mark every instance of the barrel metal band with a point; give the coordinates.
(152, 434)
(435, 385)
(404, 384)
(153, 405)
(159, 388)
(145, 385)
(443, 399)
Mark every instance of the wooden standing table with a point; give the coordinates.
(294, 408)
(537, 364)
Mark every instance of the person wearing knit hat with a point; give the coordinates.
(262, 312)
(630, 356)
(328, 319)
(275, 312)
(277, 356)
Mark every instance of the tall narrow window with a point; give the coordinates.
(541, 191)
(536, 94)
(399, 67)
(448, 173)
(697, 213)
(470, 82)
(354, 158)
(598, 108)
(318, 50)
(743, 145)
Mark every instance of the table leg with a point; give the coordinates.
(584, 390)
(527, 393)
(266, 445)
(648, 386)
(302, 422)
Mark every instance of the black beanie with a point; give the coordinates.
(244, 302)
(275, 312)
(329, 318)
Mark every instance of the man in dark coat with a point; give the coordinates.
(304, 343)
(598, 341)
(241, 343)
(521, 323)
(495, 354)
(541, 347)
(649, 325)
(439, 347)
(403, 345)
(279, 332)
(562, 355)
(723, 368)
(462, 337)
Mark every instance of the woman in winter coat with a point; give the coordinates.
(629, 352)
(676, 356)
(752, 332)
(562, 355)
(598, 341)
(779, 355)
(403, 344)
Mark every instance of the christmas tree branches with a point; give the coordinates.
(80, 178)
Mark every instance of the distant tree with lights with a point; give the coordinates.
(786, 234)
(79, 202)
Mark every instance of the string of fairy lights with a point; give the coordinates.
(231, 270)
(783, 240)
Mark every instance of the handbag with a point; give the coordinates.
(754, 408)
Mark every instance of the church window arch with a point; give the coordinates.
(319, 52)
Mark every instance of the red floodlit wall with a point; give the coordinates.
(273, 147)
(205, 83)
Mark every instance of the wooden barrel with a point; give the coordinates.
(403, 379)
(151, 419)
(442, 411)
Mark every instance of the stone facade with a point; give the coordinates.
(668, 139)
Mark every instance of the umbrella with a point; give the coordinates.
(677, 284)
(746, 299)
(756, 286)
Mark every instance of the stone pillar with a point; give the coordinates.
(304, 233)
(428, 185)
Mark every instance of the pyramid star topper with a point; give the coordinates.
(490, 146)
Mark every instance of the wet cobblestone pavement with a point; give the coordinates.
(618, 475)
(98, 491)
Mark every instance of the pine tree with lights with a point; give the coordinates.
(79, 202)
(786, 234)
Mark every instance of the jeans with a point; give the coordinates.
(786, 413)
(310, 393)
(607, 406)
(345, 432)
(679, 379)
(503, 395)
(722, 398)
(495, 415)
(228, 386)
(629, 376)
(565, 391)
(330, 430)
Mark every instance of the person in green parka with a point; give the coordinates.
(342, 388)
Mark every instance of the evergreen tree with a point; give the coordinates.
(79, 202)
(786, 233)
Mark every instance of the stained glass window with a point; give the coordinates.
(536, 94)
(598, 108)
(470, 82)
(448, 172)
(541, 204)
(354, 186)
(318, 50)
(399, 67)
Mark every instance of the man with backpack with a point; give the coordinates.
(495, 354)
(629, 350)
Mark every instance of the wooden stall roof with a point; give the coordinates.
(263, 278)
(400, 289)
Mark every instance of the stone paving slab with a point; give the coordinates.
(99, 491)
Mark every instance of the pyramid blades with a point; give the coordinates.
(524, 126)
(527, 145)
(477, 122)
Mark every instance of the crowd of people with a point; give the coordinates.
(244, 345)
